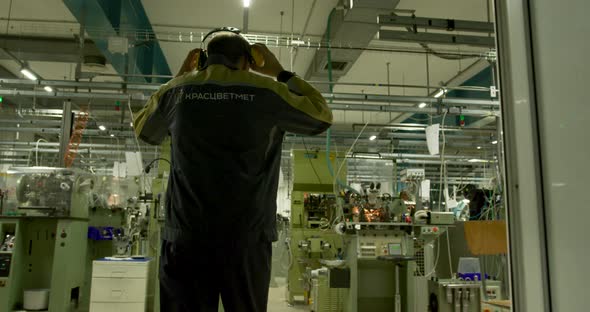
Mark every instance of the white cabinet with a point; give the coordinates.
(121, 285)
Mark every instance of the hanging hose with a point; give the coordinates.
(331, 86)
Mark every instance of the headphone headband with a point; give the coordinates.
(204, 55)
(234, 30)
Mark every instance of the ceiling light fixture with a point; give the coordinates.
(112, 135)
(495, 142)
(439, 93)
(297, 42)
(246, 3)
(479, 147)
(48, 89)
(131, 124)
(365, 155)
(102, 128)
(373, 137)
(29, 74)
(422, 105)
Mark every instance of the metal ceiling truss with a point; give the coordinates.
(340, 101)
(435, 23)
(411, 32)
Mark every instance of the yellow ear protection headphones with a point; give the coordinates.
(252, 53)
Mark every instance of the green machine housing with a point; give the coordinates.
(43, 236)
(312, 238)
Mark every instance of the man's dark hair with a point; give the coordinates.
(231, 46)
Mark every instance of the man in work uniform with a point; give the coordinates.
(226, 126)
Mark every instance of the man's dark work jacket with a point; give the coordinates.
(226, 129)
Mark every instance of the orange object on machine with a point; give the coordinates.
(486, 237)
(76, 137)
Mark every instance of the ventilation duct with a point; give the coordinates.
(355, 24)
(94, 63)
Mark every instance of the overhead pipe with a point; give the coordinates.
(83, 145)
(431, 178)
(421, 127)
(419, 135)
(438, 162)
(379, 98)
(45, 122)
(338, 105)
(154, 87)
(80, 151)
(329, 131)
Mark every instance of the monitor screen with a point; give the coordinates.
(395, 249)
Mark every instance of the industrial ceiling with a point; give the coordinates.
(44, 36)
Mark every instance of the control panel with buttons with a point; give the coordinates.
(426, 230)
(372, 244)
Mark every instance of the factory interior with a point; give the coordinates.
(410, 201)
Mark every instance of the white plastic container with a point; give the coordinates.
(36, 299)
(468, 265)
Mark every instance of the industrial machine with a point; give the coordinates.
(44, 230)
(458, 295)
(312, 239)
(134, 242)
(378, 256)
(49, 192)
(368, 239)
(391, 264)
(451, 295)
(373, 207)
(329, 287)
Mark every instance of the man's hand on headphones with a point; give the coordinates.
(190, 63)
(271, 67)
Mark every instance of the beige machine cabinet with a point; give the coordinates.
(121, 286)
(373, 281)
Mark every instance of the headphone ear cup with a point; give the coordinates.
(257, 57)
(202, 60)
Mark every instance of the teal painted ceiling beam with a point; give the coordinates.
(481, 79)
(123, 18)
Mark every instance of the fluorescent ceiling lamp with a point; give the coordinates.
(373, 137)
(495, 142)
(246, 3)
(112, 135)
(48, 89)
(439, 93)
(422, 105)
(131, 124)
(102, 128)
(297, 42)
(28, 74)
(479, 147)
(475, 160)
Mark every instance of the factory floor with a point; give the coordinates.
(277, 302)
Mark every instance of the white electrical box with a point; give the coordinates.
(412, 175)
(442, 217)
(118, 45)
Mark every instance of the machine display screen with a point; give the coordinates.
(395, 249)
